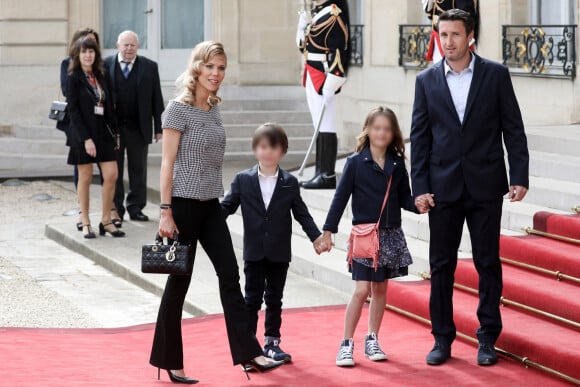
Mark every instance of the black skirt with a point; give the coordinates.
(361, 272)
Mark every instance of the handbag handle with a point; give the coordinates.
(159, 239)
(385, 201)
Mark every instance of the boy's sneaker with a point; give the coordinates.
(273, 351)
(345, 354)
(372, 349)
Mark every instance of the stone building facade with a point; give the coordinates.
(259, 38)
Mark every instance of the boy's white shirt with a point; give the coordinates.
(267, 185)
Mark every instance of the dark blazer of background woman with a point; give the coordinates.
(81, 107)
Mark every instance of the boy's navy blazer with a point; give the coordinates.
(448, 155)
(267, 232)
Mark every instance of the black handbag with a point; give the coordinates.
(57, 111)
(172, 258)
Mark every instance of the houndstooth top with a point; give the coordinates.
(197, 172)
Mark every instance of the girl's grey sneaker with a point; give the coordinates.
(345, 354)
(273, 351)
(372, 349)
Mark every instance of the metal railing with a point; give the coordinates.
(356, 44)
(413, 45)
(540, 50)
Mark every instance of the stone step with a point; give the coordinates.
(247, 130)
(259, 117)
(292, 160)
(564, 140)
(240, 144)
(329, 269)
(555, 166)
(552, 193)
(264, 105)
(37, 132)
(33, 162)
(233, 92)
(33, 146)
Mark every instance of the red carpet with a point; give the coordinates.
(543, 252)
(564, 225)
(561, 298)
(119, 357)
(547, 340)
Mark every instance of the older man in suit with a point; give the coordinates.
(463, 107)
(138, 104)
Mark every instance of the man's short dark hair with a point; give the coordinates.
(458, 15)
(273, 133)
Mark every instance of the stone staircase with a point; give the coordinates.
(554, 186)
(36, 151)
(244, 108)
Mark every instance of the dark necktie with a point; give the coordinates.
(126, 69)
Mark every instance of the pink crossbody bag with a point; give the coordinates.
(364, 238)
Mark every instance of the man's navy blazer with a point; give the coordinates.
(447, 155)
(267, 232)
(150, 100)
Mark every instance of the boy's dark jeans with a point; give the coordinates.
(265, 280)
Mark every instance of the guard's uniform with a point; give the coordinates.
(323, 38)
(434, 8)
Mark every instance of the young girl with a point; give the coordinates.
(380, 154)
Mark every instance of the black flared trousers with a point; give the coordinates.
(203, 221)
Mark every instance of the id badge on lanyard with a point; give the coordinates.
(99, 108)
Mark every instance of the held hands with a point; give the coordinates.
(425, 202)
(158, 137)
(167, 226)
(90, 147)
(323, 243)
(517, 193)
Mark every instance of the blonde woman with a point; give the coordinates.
(194, 143)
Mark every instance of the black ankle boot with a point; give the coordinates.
(327, 147)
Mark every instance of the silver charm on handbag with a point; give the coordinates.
(170, 256)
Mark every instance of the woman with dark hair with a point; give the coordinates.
(93, 137)
(64, 125)
(194, 142)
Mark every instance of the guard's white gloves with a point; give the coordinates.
(303, 21)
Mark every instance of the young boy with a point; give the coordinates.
(267, 194)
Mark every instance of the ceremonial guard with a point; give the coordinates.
(323, 38)
(434, 8)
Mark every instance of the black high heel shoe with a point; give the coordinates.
(177, 379)
(118, 222)
(89, 234)
(103, 231)
(253, 365)
(80, 224)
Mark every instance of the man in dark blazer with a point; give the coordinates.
(463, 107)
(138, 105)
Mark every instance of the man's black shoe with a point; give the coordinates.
(139, 216)
(486, 355)
(439, 354)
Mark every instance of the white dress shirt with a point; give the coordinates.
(267, 185)
(459, 84)
(123, 62)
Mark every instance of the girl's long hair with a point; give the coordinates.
(397, 146)
(81, 45)
(186, 82)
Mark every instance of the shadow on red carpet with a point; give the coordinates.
(119, 357)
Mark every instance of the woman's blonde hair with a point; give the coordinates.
(397, 146)
(201, 54)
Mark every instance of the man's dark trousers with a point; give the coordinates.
(134, 144)
(265, 280)
(446, 221)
